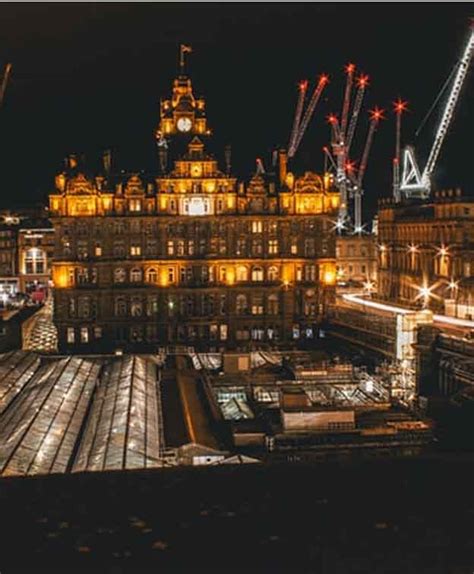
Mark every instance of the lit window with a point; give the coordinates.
(135, 250)
(180, 247)
(273, 246)
(135, 205)
(257, 274)
(84, 335)
(170, 247)
(71, 337)
(171, 274)
(242, 273)
(223, 330)
(97, 332)
(294, 246)
(257, 227)
(98, 251)
(257, 305)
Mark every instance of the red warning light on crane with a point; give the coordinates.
(350, 68)
(400, 106)
(303, 85)
(376, 114)
(323, 79)
(363, 81)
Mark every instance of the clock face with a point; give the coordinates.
(184, 124)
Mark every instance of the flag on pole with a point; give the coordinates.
(183, 49)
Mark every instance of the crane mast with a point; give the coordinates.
(399, 107)
(339, 151)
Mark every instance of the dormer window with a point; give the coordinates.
(135, 205)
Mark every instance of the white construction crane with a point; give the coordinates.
(414, 182)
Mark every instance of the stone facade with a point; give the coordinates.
(191, 256)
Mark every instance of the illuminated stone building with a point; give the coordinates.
(190, 256)
(35, 254)
(426, 252)
(356, 258)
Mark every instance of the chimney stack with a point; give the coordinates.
(283, 156)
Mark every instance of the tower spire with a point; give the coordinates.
(183, 49)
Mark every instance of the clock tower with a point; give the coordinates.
(183, 113)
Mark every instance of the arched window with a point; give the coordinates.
(223, 274)
(273, 306)
(273, 273)
(119, 275)
(136, 307)
(120, 307)
(136, 275)
(242, 273)
(152, 275)
(257, 274)
(241, 305)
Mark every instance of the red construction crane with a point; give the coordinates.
(318, 90)
(375, 116)
(398, 107)
(362, 83)
(303, 86)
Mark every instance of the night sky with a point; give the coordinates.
(90, 76)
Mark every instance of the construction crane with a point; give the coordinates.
(6, 77)
(300, 125)
(375, 116)
(362, 83)
(414, 183)
(398, 107)
(350, 69)
(303, 86)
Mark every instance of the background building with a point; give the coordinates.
(426, 252)
(356, 260)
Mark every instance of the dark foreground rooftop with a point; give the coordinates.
(410, 516)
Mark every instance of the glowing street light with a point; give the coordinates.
(369, 287)
(424, 293)
(443, 251)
